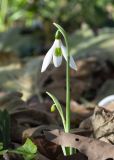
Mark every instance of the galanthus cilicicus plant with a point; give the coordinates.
(57, 52)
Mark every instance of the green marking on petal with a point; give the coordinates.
(58, 52)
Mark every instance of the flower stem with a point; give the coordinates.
(67, 129)
(69, 150)
(68, 113)
(62, 31)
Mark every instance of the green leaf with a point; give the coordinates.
(58, 106)
(29, 156)
(28, 147)
(1, 146)
(5, 128)
(2, 150)
(28, 150)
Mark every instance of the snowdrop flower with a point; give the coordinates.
(56, 52)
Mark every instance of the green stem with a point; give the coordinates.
(67, 92)
(68, 150)
(67, 127)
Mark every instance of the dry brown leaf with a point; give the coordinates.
(48, 149)
(36, 132)
(82, 110)
(41, 157)
(25, 119)
(93, 149)
(109, 107)
(103, 124)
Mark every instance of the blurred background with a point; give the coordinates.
(27, 32)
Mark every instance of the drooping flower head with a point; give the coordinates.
(56, 52)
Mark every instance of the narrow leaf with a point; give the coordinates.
(58, 106)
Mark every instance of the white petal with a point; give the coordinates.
(57, 43)
(47, 58)
(72, 62)
(57, 60)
